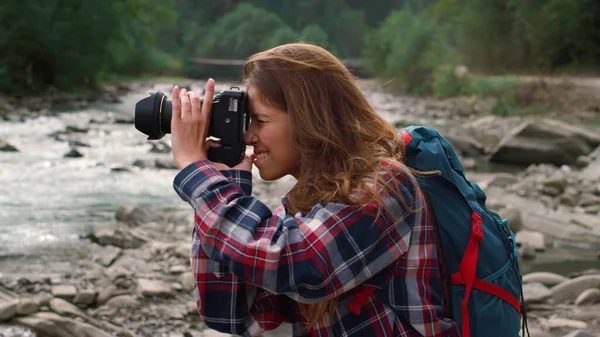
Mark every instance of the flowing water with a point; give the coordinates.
(47, 201)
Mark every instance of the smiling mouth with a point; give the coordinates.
(262, 155)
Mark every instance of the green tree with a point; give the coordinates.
(314, 34)
(409, 58)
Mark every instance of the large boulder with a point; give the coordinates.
(545, 141)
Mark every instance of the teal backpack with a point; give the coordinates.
(477, 248)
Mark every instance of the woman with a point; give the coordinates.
(350, 252)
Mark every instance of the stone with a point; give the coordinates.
(530, 243)
(123, 301)
(589, 296)
(6, 147)
(188, 281)
(65, 308)
(502, 179)
(178, 269)
(133, 214)
(544, 141)
(515, 219)
(569, 290)
(50, 324)
(580, 333)
(151, 288)
(8, 309)
(64, 291)
(85, 297)
(558, 322)
(28, 305)
(546, 278)
(465, 145)
(117, 237)
(535, 292)
(108, 255)
(73, 153)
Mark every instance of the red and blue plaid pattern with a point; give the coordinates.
(253, 266)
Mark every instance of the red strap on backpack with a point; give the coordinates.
(466, 276)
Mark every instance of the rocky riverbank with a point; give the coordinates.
(137, 280)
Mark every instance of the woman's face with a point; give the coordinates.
(269, 134)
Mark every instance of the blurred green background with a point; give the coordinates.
(74, 44)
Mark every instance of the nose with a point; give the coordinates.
(250, 138)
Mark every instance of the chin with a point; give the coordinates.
(269, 176)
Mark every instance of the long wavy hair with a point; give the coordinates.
(339, 137)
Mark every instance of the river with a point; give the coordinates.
(47, 201)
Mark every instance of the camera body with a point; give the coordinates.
(229, 121)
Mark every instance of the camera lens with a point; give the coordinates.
(153, 115)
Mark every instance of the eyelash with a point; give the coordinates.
(259, 121)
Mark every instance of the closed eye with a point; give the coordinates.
(259, 121)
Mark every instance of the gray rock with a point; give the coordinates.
(515, 219)
(65, 308)
(28, 305)
(188, 281)
(6, 147)
(553, 323)
(73, 153)
(133, 214)
(465, 145)
(580, 333)
(589, 296)
(151, 288)
(117, 237)
(85, 297)
(64, 291)
(8, 309)
(530, 243)
(535, 292)
(545, 141)
(108, 255)
(49, 324)
(545, 278)
(123, 301)
(502, 179)
(569, 290)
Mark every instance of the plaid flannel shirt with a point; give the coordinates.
(252, 267)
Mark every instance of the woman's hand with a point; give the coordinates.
(189, 124)
(189, 128)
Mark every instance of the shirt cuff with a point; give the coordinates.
(195, 178)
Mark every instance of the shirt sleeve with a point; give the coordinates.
(310, 258)
(227, 304)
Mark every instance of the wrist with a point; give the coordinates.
(181, 164)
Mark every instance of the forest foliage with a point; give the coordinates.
(66, 44)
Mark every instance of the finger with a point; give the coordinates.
(213, 143)
(246, 163)
(208, 97)
(196, 104)
(186, 106)
(176, 104)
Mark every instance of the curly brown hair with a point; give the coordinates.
(340, 138)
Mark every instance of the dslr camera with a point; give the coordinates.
(229, 121)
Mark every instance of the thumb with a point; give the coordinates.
(246, 163)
